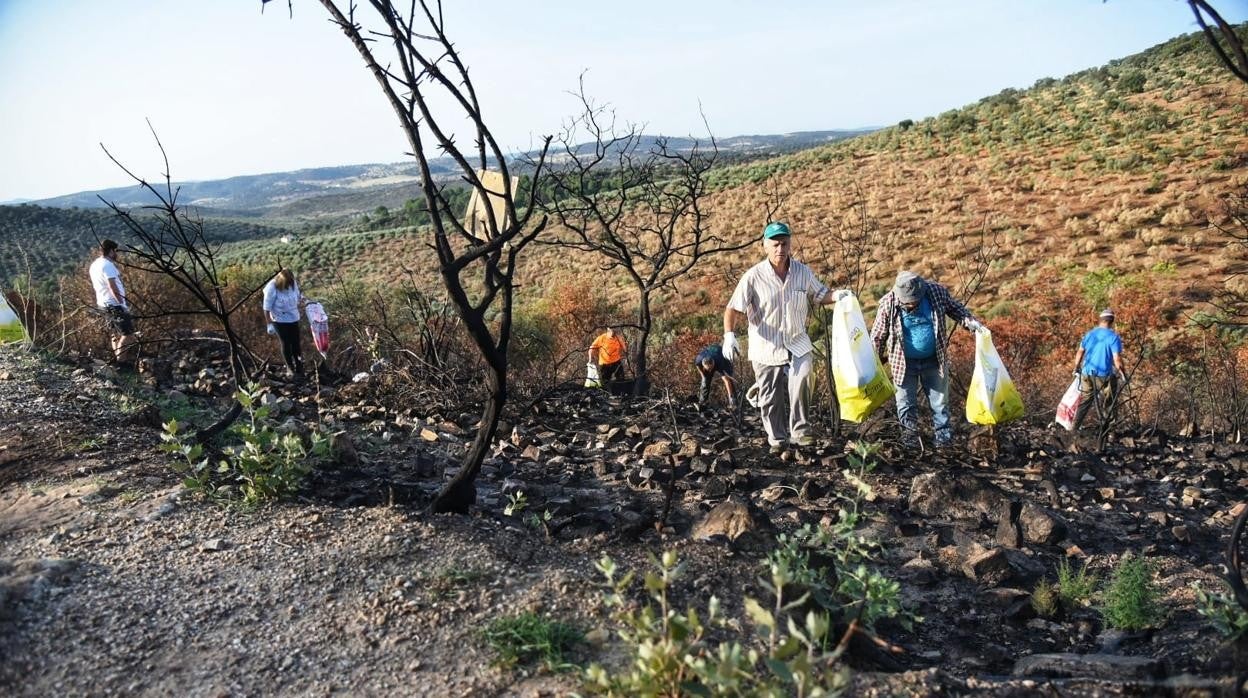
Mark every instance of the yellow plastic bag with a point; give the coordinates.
(862, 384)
(992, 397)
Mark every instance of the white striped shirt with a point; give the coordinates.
(776, 310)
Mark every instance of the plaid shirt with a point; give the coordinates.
(886, 333)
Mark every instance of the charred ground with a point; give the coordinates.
(115, 579)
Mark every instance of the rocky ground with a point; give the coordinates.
(114, 580)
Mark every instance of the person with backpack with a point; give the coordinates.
(1098, 365)
(281, 310)
(110, 297)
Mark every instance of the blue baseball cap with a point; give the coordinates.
(775, 230)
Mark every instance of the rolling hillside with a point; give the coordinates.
(1115, 170)
(348, 190)
(40, 242)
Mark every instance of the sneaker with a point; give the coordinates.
(807, 440)
(776, 449)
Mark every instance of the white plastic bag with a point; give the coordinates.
(591, 375)
(1069, 406)
(862, 384)
(992, 397)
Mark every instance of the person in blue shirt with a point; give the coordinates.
(709, 362)
(910, 333)
(1098, 365)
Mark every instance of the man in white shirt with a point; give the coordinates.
(110, 296)
(774, 297)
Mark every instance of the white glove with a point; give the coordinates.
(975, 326)
(729, 346)
(272, 329)
(838, 294)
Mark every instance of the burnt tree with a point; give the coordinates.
(1228, 45)
(425, 81)
(638, 204)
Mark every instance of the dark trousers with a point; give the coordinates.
(606, 372)
(1097, 389)
(288, 333)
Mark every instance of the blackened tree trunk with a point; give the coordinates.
(413, 59)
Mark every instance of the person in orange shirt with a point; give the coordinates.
(608, 352)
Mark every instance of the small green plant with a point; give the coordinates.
(529, 638)
(671, 656)
(93, 443)
(538, 521)
(1044, 599)
(516, 503)
(262, 466)
(1224, 613)
(1131, 599)
(1075, 588)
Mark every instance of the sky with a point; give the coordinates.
(233, 91)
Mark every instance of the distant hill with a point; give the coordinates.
(352, 189)
(1111, 173)
(43, 241)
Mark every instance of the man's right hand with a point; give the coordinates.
(729, 346)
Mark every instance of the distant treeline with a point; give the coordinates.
(39, 242)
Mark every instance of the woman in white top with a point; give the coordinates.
(281, 309)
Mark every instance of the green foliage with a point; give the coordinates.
(1132, 82)
(529, 638)
(1075, 588)
(262, 466)
(830, 565)
(1098, 285)
(1044, 599)
(811, 577)
(1224, 612)
(516, 503)
(12, 333)
(670, 654)
(1132, 600)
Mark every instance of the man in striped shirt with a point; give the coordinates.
(774, 296)
(909, 333)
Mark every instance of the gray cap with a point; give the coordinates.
(908, 287)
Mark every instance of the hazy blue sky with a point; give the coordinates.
(232, 91)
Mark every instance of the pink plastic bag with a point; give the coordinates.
(318, 320)
(1069, 406)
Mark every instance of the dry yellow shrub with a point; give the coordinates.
(1178, 216)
